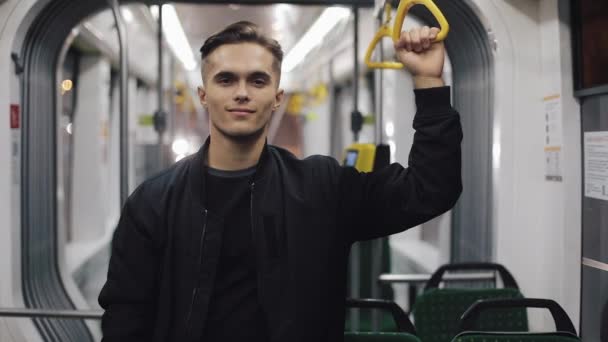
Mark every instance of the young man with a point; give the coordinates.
(244, 242)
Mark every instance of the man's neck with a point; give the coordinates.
(227, 154)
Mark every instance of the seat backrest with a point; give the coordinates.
(564, 329)
(401, 322)
(379, 337)
(476, 336)
(386, 322)
(506, 276)
(437, 312)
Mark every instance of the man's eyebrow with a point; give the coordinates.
(229, 74)
(260, 74)
(224, 74)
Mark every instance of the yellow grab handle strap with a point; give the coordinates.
(384, 31)
(404, 7)
(395, 32)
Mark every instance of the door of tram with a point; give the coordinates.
(594, 287)
(591, 80)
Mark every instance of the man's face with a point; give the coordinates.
(240, 90)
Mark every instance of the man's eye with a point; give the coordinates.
(224, 80)
(259, 81)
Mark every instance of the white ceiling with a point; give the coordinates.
(286, 23)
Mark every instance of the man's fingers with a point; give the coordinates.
(418, 39)
(434, 32)
(425, 39)
(415, 36)
(406, 40)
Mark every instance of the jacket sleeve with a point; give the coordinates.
(395, 198)
(130, 292)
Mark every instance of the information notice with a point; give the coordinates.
(596, 165)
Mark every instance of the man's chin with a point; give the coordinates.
(243, 136)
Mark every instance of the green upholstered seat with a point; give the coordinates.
(366, 255)
(379, 337)
(437, 312)
(393, 320)
(471, 319)
(515, 337)
(386, 322)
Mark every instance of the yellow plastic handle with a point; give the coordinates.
(395, 32)
(384, 31)
(404, 7)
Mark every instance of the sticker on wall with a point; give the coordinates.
(596, 165)
(15, 143)
(14, 116)
(553, 137)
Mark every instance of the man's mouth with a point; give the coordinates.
(241, 111)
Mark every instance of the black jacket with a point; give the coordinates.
(305, 216)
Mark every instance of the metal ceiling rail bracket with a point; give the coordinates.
(423, 278)
(47, 313)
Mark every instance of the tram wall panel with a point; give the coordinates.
(15, 17)
(536, 222)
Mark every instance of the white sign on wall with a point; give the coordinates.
(596, 165)
(553, 137)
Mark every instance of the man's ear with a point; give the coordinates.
(202, 95)
(278, 99)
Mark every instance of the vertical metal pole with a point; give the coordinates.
(172, 123)
(380, 93)
(333, 131)
(356, 114)
(355, 253)
(124, 101)
(355, 267)
(356, 118)
(160, 56)
(356, 59)
(376, 267)
(161, 153)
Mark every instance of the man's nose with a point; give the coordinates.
(241, 94)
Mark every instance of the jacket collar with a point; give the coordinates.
(198, 170)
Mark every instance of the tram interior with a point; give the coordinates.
(527, 76)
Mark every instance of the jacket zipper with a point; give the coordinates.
(251, 209)
(255, 247)
(195, 290)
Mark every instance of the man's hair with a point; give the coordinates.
(243, 32)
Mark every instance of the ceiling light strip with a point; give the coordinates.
(175, 35)
(314, 36)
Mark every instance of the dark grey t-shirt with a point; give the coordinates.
(234, 312)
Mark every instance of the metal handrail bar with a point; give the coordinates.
(50, 313)
(423, 278)
(96, 314)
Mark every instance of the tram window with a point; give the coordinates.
(351, 158)
(592, 49)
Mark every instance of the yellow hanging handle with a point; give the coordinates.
(395, 32)
(384, 31)
(404, 7)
